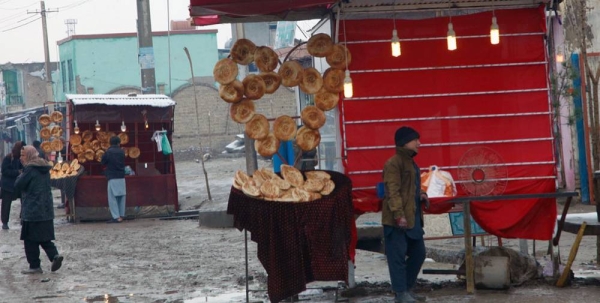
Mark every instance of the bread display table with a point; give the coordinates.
(298, 242)
(67, 185)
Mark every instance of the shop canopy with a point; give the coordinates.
(207, 12)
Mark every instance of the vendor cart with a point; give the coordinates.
(141, 121)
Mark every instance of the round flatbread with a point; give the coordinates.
(250, 189)
(320, 45)
(89, 154)
(339, 58)
(56, 145)
(123, 137)
(242, 111)
(45, 120)
(284, 128)
(46, 146)
(258, 127)
(57, 167)
(87, 145)
(313, 185)
(126, 151)
(313, 117)
(134, 152)
(254, 87)
(74, 162)
(56, 131)
(292, 175)
(241, 178)
(45, 133)
(300, 195)
(307, 139)
(77, 148)
(225, 71)
(95, 145)
(317, 174)
(269, 189)
(266, 59)
(232, 92)
(311, 81)
(272, 81)
(105, 145)
(333, 80)
(99, 154)
(81, 158)
(328, 187)
(282, 184)
(75, 139)
(101, 136)
(291, 73)
(56, 116)
(242, 51)
(87, 136)
(65, 166)
(326, 100)
(268, 146)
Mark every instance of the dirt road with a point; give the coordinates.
(152, 260)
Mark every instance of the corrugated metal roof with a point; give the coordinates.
(122, 100)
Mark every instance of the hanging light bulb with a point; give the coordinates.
(348, 89)
(451, 38)
(97, 126)
(123, 127)
(146, 124)
(395, 44)
(76, 128)
(494, 31)
(59, 159)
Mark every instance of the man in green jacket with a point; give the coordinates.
(401, 216)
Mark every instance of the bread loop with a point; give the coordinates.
(284, 128)
(311, 81)
(225, 71)
(291, 73)
(258, 127)
(242, 51)
(254, 87)
(242, 111)
(266, 59)
(320, 45)
(232, 92)
(312, 117)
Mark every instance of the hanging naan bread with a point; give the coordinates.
(133, 152)
(89, 154)
(313, 117)
(284, 128)
(272, 81)
(258, 127)
(268, 146)
(333, 80)
(45, 120)
(77, 148)
(95, 145)
(56, 116)
(99, 154)
(311, 81)
(242, 51)
(57, 145)
(232, 92)
(122, 136)
(87, 136)
(307, 139)
(242, 111)
(75, 139)
(326, 100)
(320, 45)
(339, 58)
(292, 175)
(265, 58)
(56, 131)
(81, 158)
(45, 133)
(291, 73)
(254, 87)
(225, 71)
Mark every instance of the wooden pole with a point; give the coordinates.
(469, 264)
(565, 274)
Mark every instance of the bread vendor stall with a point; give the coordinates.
(144, 123)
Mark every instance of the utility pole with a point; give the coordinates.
(43, 11)
(146, 50)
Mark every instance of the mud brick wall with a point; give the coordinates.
(216, 127)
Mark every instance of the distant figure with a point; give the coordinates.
(114, 159)
(40, 151)
(11, 168)
(37, 213)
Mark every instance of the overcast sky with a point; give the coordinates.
(21, 39)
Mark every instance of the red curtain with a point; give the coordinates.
(480, 95)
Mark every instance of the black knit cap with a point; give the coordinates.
(114, 140)
(404, 135)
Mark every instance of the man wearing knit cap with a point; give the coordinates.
(401, 216)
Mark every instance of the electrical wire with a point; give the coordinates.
(12, 28)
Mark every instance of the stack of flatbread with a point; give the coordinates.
(63, 170)
(293, 187)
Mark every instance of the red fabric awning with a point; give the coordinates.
(206, 12)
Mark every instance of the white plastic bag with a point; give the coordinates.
(438, 183)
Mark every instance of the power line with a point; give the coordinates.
(17, 8)
(12, 28)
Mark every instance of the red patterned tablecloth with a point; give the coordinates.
(298, 242)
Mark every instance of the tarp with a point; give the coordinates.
(478, 96)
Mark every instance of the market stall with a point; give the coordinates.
(144, 124)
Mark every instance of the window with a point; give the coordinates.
(11, 86)
(63, 72)
(71, 78)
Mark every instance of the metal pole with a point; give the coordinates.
(469, 264)
(146, 49)
(246, 257)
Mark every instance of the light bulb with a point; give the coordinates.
(123, 127)
(348, 90)
(451, 37)
(395, 44)
(494, 32)
(76, 128)
(146, 124)
(560, 58)
(59, 159)
(97, 126)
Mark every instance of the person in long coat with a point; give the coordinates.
(11, 168)
(37, 212)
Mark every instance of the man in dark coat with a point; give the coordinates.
(11, 168)
(114, 159)
(37, 212)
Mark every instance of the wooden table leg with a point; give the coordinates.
(469, 264)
